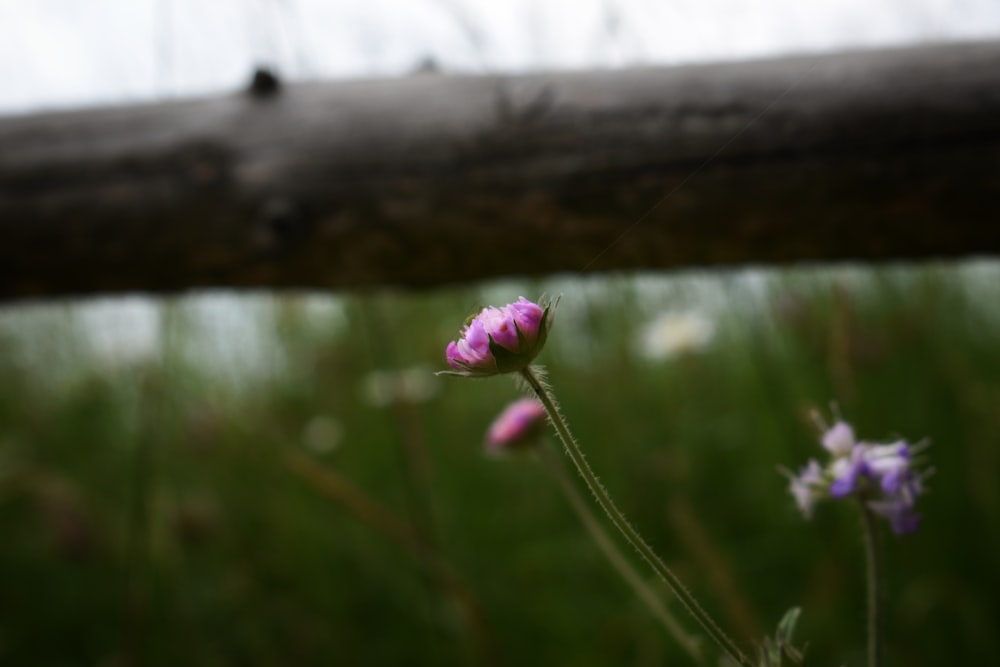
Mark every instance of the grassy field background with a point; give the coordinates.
(265, 480)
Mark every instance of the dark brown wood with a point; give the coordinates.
(432, 179)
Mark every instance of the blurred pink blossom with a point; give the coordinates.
(518, 425)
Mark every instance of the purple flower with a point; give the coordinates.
(518, 425)
(500, 340)
(900, 512)
(899, 484)
(891, 464)
(807, 486)
(839, 439)
(881, 475)
(847, 471)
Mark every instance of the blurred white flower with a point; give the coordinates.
(322, 434)
(672, 334)
(412, 385)
(122, 331)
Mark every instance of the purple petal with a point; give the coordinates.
(839, 440)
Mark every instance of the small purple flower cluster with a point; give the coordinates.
(882, 475)
(500, 340)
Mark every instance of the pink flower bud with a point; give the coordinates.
(500, 340)
(518, 425)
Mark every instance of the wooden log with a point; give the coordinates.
(431, 179)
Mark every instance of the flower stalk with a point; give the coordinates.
(724, 642)
(689, 644)
(873, 576)
(884, 482)
(506, 340)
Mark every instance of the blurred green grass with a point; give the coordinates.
(150, 515)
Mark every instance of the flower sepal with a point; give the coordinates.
(464, 370)
(511, 362)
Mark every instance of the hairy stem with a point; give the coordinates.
(617, 558)
(725, 643)
(873, 570)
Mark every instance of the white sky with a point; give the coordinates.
(67, 53)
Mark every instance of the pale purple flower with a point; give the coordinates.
(881, 475)
(900, 513)
(807, 487)
(500, 340)
(899, 483)
(891, 464)
(519, 424)
(839, 439)
(847, 471)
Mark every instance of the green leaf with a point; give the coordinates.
(786, 626)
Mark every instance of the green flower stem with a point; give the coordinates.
(575, 454)
(617, 558)
(873, 570)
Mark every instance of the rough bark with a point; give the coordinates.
(432, 179)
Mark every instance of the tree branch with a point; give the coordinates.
(432, 179)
